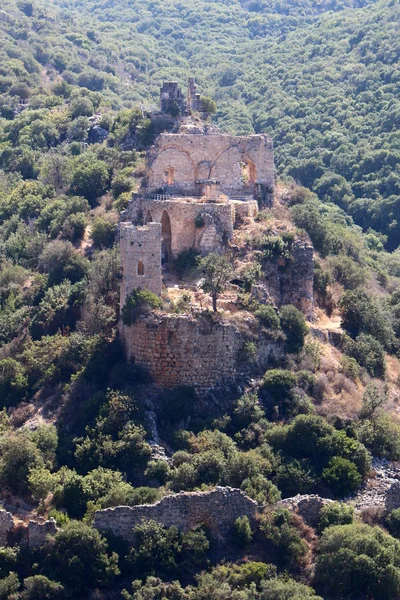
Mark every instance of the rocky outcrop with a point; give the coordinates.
(217, 509)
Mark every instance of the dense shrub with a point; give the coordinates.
(242, 532)
(103, 232)
(335, 513)
(294, 326)
(140, 302)
(79, 558)
(349, 563)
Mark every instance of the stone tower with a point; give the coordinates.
(141, 258)
(172, 100)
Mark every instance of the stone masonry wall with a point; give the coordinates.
(211, 156)
(219, 220)
(39, 530)
(6, 525)
(195, 350)
(140, 246)
(292, 281)
(217, 509)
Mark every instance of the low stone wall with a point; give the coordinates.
(307, 506)
(217, 509)
(199, 351)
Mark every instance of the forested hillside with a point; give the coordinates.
(77, 79)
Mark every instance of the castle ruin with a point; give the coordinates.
(199, 186)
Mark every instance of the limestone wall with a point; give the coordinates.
(39, 530)
(217, 509)
(219, 219)
(6, 525)
(195, 350)
(141, 258)
(211, 156)
(292, 281)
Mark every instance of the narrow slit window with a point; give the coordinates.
(140, 268)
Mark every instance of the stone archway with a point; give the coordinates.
(166, 236)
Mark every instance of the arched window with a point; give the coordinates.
(140, 268)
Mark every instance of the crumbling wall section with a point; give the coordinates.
(6, 526)
(196, 350)
(291, 280)
(39, 530)
(217, 509)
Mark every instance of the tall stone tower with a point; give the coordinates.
(141, 258)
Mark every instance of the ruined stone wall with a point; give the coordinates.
(195, 350)
(6, 525)
(219, 220)
(217, 509)
(291, 281)
(39, 530)
(141, 258)
(211, 156)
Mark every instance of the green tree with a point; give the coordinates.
(349, 563)
(216, 271)
(80, 559)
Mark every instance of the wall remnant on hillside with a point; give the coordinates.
(6, 526)
(39, 530)
(307, 506)
(291, 281)
(196, 350)
(217, 509)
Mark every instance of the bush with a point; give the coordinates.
(186, 261)
(13, 382)
(392, 522)
(268, 317)
(277, 393)
(368, 353)
(90, 180)
(60, 260)
(294, 326)
(103, 233)
(140, 302)
(381, 435)
(79, 557)
(342, 476)
(278, 528)
(40, 587)
(242, 533)
(349, 563)
(335, 513)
